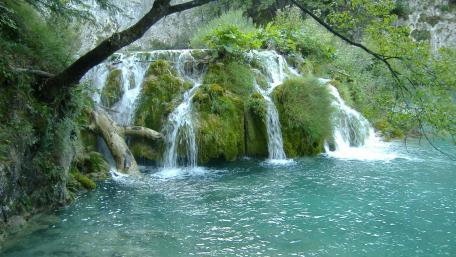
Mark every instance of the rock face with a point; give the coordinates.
(434, 20)
(167, 32)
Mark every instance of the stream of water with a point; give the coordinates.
(276, 70)
(180, 125)
(320, 206)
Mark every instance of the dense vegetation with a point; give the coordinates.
(37, 149)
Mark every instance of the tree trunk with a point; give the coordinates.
(125, 162)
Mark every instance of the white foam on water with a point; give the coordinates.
(280, 162)
(179, 173)
(354, 137)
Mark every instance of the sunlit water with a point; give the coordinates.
(321, 206)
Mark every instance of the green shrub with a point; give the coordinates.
(32, 42)
(288, 34)
(231, 18)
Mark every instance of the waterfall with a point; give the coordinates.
(180, 127)
(132, 73)
(353, 135)
(133, 66)
(276, 70)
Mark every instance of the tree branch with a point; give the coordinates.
(378, 56)
(39, 73)
(73, 74)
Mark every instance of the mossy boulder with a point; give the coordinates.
(255, 127)
(220, 127)
(161, 92)
(305, 111)
(113, 90)
(261, 80)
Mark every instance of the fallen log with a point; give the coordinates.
(114, 137)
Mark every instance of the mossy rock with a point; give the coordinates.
(421, 34)
(261, 80)
(344, 92)
(235, 77)
(220, 127)
(388, 131)
(93, 165)
(146, 152)
(431, 20)
(113, 90)
(81, 180)
(161, 92)
(255, 134)
(305, 111)
(88, 139)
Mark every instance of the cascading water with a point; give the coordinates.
(353, 135)
(275, 67)
(132, 74)
(180, 128)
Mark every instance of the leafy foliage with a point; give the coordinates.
(287, 34)
(19, 45)
(234, 18)
(36, 147)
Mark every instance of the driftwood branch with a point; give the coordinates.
(72, 75)
(125, 162)
(142, 132)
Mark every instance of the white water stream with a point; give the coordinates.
(353, 135)
(180, 129)
(276, 70)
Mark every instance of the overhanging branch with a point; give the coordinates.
(382, 58)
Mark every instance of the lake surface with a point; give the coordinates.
(401, 205)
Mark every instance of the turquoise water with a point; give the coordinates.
(317, 206)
